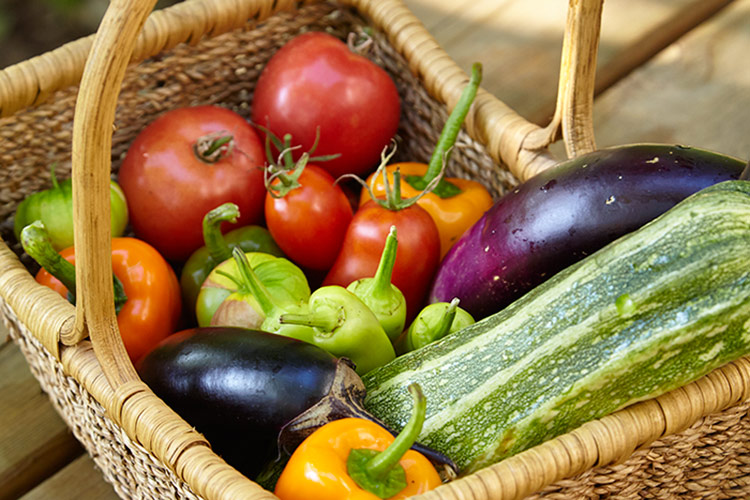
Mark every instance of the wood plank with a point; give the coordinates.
(697, 92)
(80, 479)
(519, 41)
(34, 441)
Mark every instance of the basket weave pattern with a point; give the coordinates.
(711, 459)
(220, 70)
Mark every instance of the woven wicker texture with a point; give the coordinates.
(168, 459)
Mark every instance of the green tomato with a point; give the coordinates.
(54, 207)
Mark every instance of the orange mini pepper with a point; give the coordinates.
(357, 459)
(147, 293)
(455, 204)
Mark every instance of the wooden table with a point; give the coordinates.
(669, 71)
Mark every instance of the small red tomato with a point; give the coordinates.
(417, 256)
(172, 177)
(309, 221)
(315, 81)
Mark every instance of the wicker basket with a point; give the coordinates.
(692, 441)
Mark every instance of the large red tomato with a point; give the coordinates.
(316, 81)
(171, 179)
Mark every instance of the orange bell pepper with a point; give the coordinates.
(452, 215)
(455, 204)
(148, 302)
(357, 459)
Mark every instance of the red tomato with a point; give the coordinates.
(170, 187)
(309, 222)
(417, 256)
(316, 81)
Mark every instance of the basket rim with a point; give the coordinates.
(124, 402)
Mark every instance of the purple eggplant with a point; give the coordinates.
(567, 212)
(255, 395)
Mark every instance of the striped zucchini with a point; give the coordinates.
(650, 312)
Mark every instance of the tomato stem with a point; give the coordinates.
(214, 147)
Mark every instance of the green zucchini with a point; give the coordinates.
(650, 312)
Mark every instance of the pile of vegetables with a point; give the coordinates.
(280, 283)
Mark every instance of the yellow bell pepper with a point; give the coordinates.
(357, 459)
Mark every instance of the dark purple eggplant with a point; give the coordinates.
(254, 395)
(567, 212)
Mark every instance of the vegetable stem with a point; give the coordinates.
(251, 282)
(382, 287)
(323, 318)
(446, 320)
(217, 246)
(452, 126)
(36, 242)
(379, 465)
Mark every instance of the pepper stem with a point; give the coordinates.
(381, 473)
(446, 319)
(447, 139)
(381, 284)
(325, 319)
(36, 242)
(217, 247)
(250, 281)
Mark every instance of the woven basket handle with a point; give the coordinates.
(91, 163)
(575, 93)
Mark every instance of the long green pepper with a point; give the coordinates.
(345, 327)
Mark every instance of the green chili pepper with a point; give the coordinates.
(252, 290)
(54, 207)
(345, 327)
(383, 298)
(219, 248)
(434, 322)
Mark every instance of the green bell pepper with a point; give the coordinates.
(219, 247)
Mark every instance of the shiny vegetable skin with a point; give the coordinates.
(238, 387)
(563, 214)
(153, 306)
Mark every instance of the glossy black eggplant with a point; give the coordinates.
(567, 212)
(254, 395)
